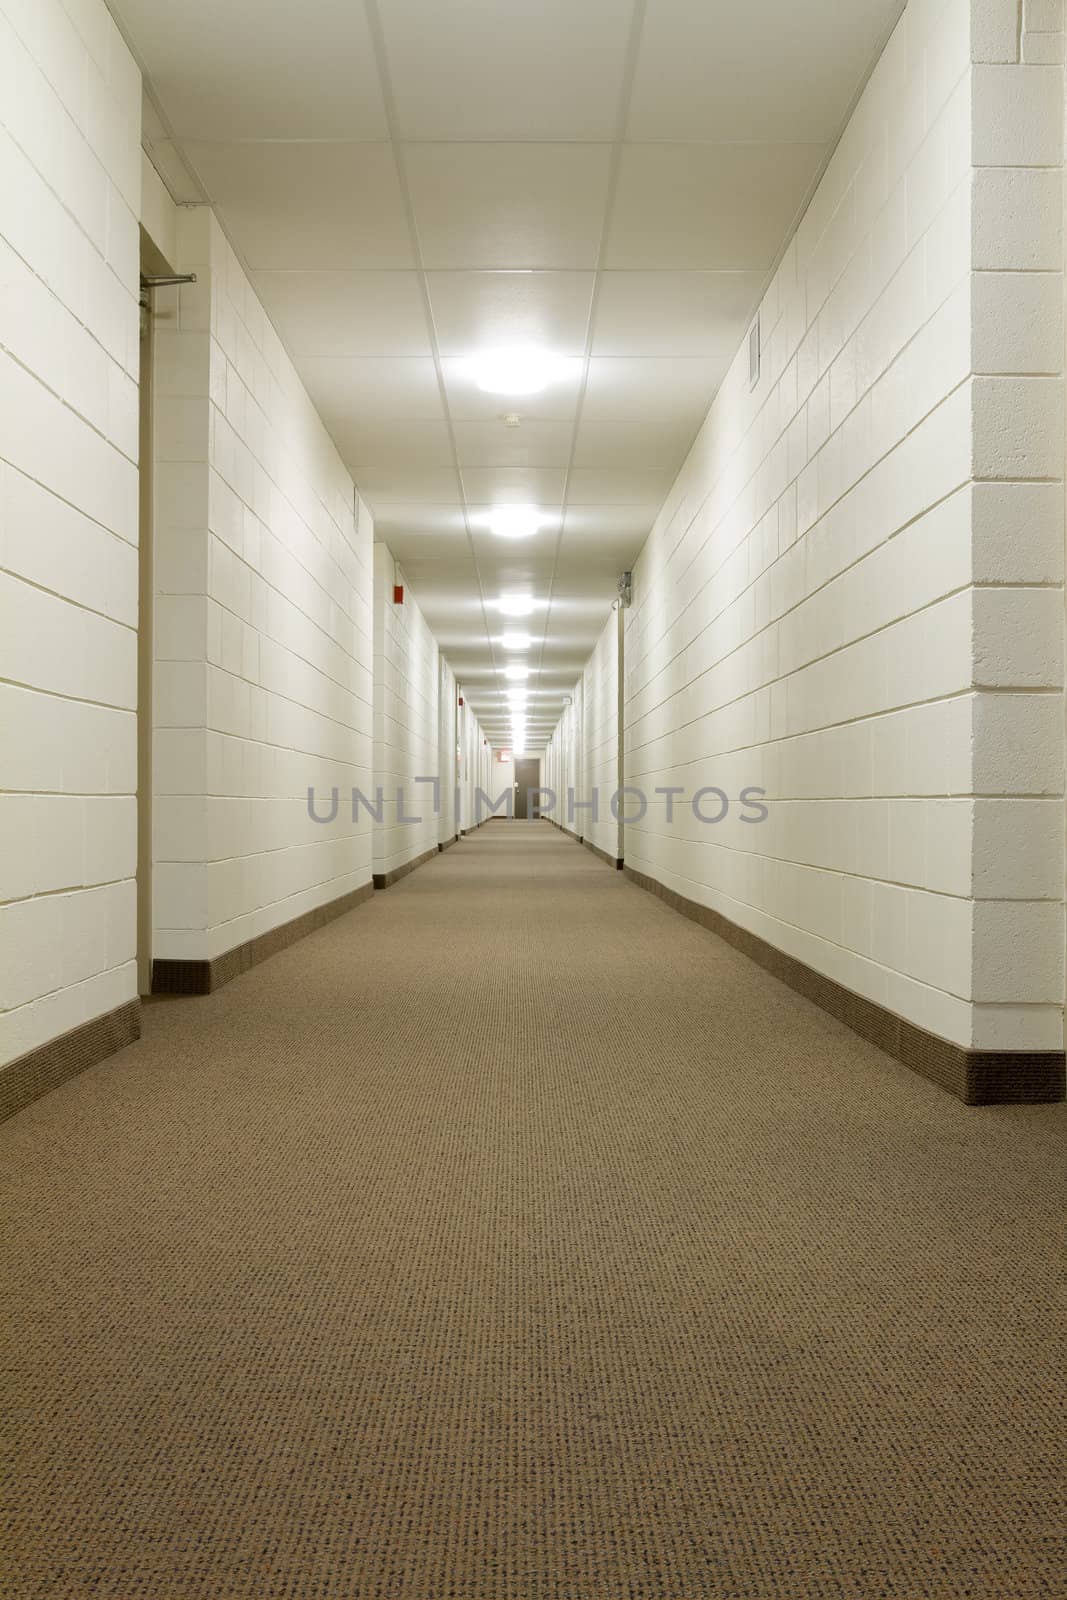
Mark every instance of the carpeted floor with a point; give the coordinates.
(514, 1239)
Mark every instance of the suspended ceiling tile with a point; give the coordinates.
(307, 204)
(482, 310)
(484, 70)
(707, 206)
(423, 519)
(426, 548)
(346, 313)
(506, 567)
(466, 402)
(605, 486)
(632, 389)
(538, 486)
(438, 580)
(782, 72)
(479, 517)
(370, 446)
(531, 444)
(384, 487)
(245, 70)
(349, 388)
(652, 443)
(508, 205)
(685, 314)
(607, 532)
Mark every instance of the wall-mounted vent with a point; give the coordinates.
(753, 355)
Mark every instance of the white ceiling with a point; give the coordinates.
(409, 182)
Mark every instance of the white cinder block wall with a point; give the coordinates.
(852, 597)
(447, 759)
(70, 109)
(406, 713)
(478, 769)
(263, 626)
(601, 776)
(561, 766)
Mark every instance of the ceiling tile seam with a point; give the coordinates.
(633, 48)
(385, 85)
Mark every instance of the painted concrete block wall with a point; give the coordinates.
(447, 758)
(601, 771)
(70, 105)
(851, 597)
(263, 627)
(478, 769)
(406, 713)
(563, 764)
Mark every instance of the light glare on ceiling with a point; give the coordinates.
(515, 605)
(514, 522)
(515, 641)
(517, 674)
(519, 370)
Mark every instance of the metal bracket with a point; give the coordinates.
(168, 280)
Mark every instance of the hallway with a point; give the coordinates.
(512, 1236)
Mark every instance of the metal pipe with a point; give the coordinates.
(168, 281)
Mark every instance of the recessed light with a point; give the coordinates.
(513, 522)
(519, 370)
(517, 674)
(515, 605)
(515, 641)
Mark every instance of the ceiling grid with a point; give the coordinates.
(410, 185)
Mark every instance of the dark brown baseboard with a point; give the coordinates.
(977, 1077)
(204, 977)
(612, 861)
(34, 1074)
(385, 880)
(446, 844)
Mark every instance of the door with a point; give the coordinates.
(527, 777)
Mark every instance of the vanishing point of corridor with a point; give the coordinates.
(493, 1242)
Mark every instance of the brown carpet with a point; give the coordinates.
(514, 1237)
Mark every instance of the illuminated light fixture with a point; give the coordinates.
(516, 641)
(520, 370)
(513, 522)
(515, 605)
(517, 674)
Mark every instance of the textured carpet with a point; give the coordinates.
(514, 1237)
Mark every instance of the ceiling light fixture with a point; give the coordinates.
(513, 522)
(515, 641)
(517, 674)
(519, 370)
(515, 605)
